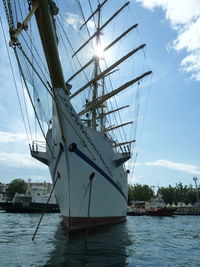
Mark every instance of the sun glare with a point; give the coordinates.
(99, 51)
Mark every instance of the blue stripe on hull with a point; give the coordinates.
(99, 170)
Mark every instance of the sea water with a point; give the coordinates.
(141, 241)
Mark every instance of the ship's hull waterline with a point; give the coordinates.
(80, 223)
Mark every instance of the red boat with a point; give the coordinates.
(164, 211)
(153, 207)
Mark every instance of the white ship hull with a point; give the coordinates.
(85, 202)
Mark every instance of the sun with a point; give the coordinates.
(99, 51)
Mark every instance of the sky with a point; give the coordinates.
(168, 146)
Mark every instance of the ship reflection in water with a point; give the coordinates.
(141, 241)
(101, 247)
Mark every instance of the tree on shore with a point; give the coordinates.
(167, 193)
(170, 194)
(17, 186)
(140, 192)
(179, 193)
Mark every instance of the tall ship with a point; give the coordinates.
(76, 60)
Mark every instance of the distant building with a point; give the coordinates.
(47, 187)
(2, 187)
(5, 196)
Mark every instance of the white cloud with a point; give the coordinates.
(177, 11)
(184, 18)
(40, 179)
(132, 179)
(19, 161)
(6, 137)
(188, 37)
(151, 4)
(191, 63)
(76, 21)
(193, 169)
(10, 137)
(181, 11)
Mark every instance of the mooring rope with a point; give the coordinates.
(45, 207)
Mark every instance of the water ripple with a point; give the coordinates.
(141, 241)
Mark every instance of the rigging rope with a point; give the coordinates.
(82, 13)
(33, 56)
(15, 83)
(69, 59)
(92, 13)
(29, 126)
(36, 95)
(52, 98)
(24, 80)
(71, 46)
(58, 107)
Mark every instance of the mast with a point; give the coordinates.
(111, 111)
(106, 71)
(96, 69)
(44, 19)
(102, 27)
(102, 118)
(118, 126)
(49, 41)
(99, 6)
(104, 50)
(91, 105)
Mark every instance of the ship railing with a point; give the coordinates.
(124, 147)
(38, 146)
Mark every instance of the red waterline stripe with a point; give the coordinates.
(78, 223)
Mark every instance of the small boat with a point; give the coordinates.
(34, 202)
(133, 211)
(163, 211)
(153, 207)
(157, 207)
(29, 207)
